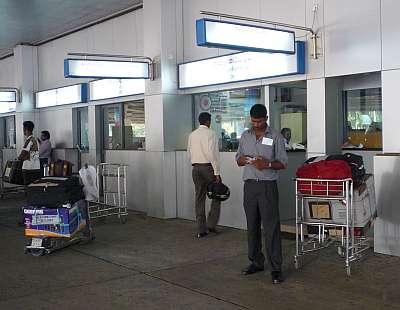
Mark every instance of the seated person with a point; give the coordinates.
(287, 135)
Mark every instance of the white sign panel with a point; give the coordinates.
(60, 96)
(7, 107)
(240, 67)
(8, 95)
(83, 68)
(223, 34)
(111, 88)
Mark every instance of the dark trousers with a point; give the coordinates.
(202, 175)
(30, 175)
(261, 205)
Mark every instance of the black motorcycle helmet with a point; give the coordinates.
(218, 191)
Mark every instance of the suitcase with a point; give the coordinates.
(324, 169)
(60, 168)
(13, 172)
(53, 192)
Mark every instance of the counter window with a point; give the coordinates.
(83, 129)
(288, 113)
(230, 113)
(363, 118)
(9, 131)
(134, 128)
(129, 117)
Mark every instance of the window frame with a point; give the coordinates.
(345, 114)
(121, 107)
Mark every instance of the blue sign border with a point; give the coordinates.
(201, 37)
(68, 75)
(301, 67)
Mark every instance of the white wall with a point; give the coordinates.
(7, 72)
(390, 34)
(352, 36)
(59, 123)
(122, 35)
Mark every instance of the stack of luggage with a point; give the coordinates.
(338, 167)
(56, 205)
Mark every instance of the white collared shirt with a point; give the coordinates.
(32, 147)
(203, 148)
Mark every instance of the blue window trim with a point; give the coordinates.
(201, 37)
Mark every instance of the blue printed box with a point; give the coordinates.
(58, 222)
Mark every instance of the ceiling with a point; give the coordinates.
(33, 21)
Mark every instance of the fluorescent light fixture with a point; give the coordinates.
(8, 95)
(7, 107)
(111, 88)
(241, 67)
(223, 34)
(60, 96)
(86, 68)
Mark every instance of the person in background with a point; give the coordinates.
(262, 153)
(204, 155)
(45, 148)
(287, 135)
(30, 155)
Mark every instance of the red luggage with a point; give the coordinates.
(324, 170)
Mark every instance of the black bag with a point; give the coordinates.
(13, 172)
(356, 164)
(54, 191)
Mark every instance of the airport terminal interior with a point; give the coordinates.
(102, 191)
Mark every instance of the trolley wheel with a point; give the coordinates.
(37, 252)
(348, 271)
(122, 219)
(297, 263)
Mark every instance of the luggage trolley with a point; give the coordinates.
(6, 187)
(316, 196)
(112, 196)
(45, 243)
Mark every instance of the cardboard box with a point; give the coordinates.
(364, 206)
(57, 222)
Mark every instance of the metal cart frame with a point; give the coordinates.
(348, 245)
(111, 201)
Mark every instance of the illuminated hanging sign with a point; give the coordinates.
(60, 96)
(7, 107)
(241, 67)
(86, 68)
(111, 88)
(8, 95)
(223, 34)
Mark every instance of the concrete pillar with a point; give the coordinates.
(26, 80)
(324, 117)
(168, 114)
(95, 145)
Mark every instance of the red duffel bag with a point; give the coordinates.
(324, 169)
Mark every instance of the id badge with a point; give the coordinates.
(267, 141)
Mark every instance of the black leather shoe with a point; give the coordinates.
(214, 231)
(252, 269)
(276, 277)
(201, 235)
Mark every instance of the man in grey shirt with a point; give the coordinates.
(262, 153)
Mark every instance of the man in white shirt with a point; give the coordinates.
(204, 155)
(30, 155)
